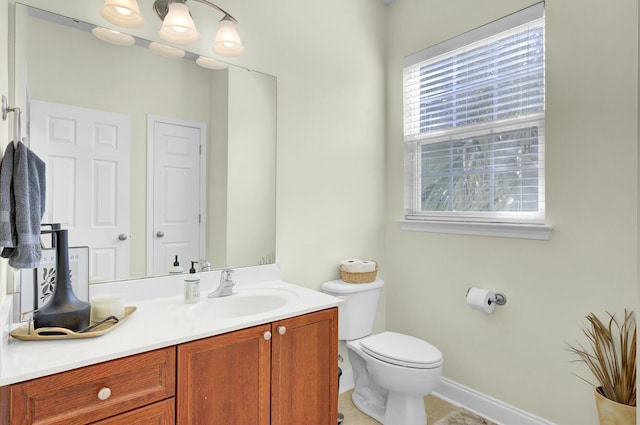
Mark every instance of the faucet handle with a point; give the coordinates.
(226, 274)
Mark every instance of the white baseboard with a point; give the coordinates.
(485, 406)
(474, 401)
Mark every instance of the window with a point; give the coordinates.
(474, 125)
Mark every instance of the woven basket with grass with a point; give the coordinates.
(358, 277)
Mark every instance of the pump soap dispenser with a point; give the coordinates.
(176, 268)
(192, 285)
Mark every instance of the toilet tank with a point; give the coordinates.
(357, 315)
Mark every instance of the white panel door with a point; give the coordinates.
(88, 189)
(177, 227)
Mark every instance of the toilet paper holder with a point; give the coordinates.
(499, 298)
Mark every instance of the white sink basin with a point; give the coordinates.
(246, 302)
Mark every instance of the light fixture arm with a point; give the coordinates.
(161, 8)
(224, 12)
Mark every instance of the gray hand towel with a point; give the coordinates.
(29, 190)
(8, 237)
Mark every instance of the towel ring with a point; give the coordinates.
(16, 119)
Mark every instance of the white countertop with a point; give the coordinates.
(162, 319)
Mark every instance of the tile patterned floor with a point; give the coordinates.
(436, 409)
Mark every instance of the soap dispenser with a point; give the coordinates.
(192, 285)
(176, 268)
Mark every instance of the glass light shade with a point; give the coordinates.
(113, 37)
(178, 26)
(209, 63)
(227, 42)
(166, 51)
(123, 13)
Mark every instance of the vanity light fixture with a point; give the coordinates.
(177, 23)
(210, 63)
(113, 37)
(178, 26)
(166, 51)
(227, 42)
(123, 13)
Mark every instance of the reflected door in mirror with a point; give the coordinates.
(87, 153)
(178, 198)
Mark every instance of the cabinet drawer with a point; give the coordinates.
(72, 397)
(161, 413)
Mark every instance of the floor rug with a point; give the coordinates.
(463, 417)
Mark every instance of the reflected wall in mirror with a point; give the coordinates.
(235, 110)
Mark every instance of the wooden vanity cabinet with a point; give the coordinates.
(281, 373)
(285, 372)
(97, 392)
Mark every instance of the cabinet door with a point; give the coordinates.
(161, 413)
(224, 380)
(304, 372)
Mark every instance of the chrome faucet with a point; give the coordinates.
(205, 266)
(225, 288)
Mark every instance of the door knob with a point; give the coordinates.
(160, 234)
(122, 237)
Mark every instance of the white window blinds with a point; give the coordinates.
(474, 124)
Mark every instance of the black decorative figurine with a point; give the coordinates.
(64, 309)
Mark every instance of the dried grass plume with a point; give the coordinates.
(611, 356)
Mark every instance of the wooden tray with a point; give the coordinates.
(62, 333)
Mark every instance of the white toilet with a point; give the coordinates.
(392, 372)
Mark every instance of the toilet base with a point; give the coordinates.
(389, 393)
(400, 409)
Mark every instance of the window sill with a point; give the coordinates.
(502, 230)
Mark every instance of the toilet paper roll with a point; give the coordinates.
(480, 299)
(367, 266)
(352, 265)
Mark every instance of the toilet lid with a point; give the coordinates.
(402, 350)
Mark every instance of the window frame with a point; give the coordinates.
(527, 224)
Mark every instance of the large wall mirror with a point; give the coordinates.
(155, 107)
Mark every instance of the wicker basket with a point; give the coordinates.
(354, 277)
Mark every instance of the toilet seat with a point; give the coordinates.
(402, 350)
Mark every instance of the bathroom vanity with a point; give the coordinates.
(207, 363)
